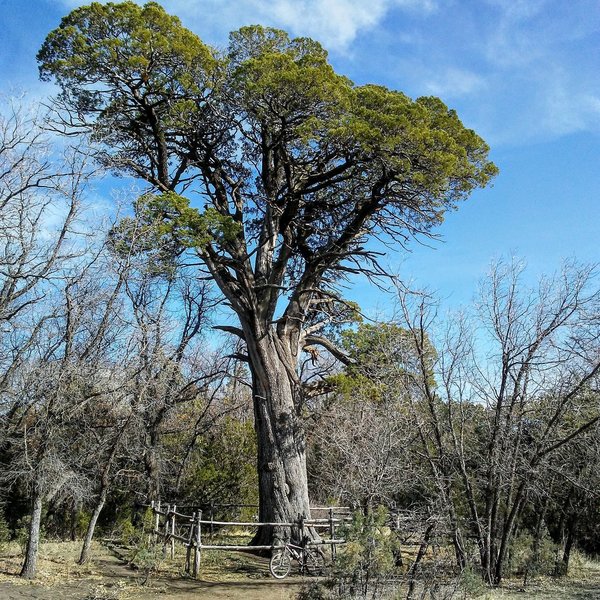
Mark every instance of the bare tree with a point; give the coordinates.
(40, 196)
(39, 201)
(69, 372)
(509, 378)
(572, 484)
(362, 438)
(360, 453)
(169, 309)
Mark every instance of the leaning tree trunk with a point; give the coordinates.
(29, 566)
(89, 535)
(104, 486)
(283, 485)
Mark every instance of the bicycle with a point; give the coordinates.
(311, 560)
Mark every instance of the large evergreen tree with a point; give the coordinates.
(273, 169)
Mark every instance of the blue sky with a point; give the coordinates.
(525, 74)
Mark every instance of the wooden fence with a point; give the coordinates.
(193, 531)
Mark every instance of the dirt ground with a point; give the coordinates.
(109, 578)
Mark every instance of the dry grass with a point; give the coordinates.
(57, 561)
(583, 583)
(223, 575)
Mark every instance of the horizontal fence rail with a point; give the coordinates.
(192, 530)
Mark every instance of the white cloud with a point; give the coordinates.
(454, 82)
(517, 10)
(335, 23)
(567, 112)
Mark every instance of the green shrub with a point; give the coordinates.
(148, 521)
(527, 560)
(83, 518)
(147, 558)
(471, 584)
(143, 554)
(367, 562)
(127, 532)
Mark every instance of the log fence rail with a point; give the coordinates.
(192, 530)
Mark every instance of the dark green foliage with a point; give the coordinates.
(137, 72)
(164, 226)
(314, 590)
(531, 557)
(221, 469)
(368, 560)
(384, 361)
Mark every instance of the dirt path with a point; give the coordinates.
(256, 585)
(110, 579)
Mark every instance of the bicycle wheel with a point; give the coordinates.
(280, 563)
(314, 561)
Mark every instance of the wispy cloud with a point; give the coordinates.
(335, 23)
(453, 82)
(566, 112)
(537, 51)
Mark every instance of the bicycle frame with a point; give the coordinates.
(309, 559)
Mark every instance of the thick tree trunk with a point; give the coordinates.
(29, 566)
(283, 485)
(89, 535)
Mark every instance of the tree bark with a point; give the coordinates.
(412, 573)
(283, 487)
(89, 535)
(30, 565)
(537, 542)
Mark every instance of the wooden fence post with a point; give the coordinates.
(156, 510)
(188, 554)
(173, 532)
(167, 530)
(198, 543)
(332, 533)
